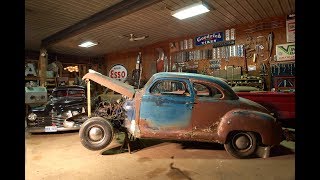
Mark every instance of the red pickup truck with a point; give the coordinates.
(282, 104)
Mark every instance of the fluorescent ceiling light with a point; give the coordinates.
(189, 11)
(87, 44)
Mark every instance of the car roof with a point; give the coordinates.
(191, 75)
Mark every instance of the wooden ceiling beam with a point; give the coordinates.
(111, 13)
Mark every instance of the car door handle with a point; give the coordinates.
(191, 103)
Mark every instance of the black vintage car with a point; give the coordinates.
(65, 103)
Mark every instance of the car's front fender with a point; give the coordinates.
(249, 120)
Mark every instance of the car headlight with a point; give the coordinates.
(75, 113)
(68, 124)
(32, 117)
(127, 107)
(67, 114)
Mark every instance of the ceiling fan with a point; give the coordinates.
(132, 37)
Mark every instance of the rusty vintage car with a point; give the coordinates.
(186, 107)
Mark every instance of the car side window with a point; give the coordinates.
(203, 90)
(170, 87)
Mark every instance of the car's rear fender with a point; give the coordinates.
(249, 120)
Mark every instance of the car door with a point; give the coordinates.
(211, 103)
(166, 108)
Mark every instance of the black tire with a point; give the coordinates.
(96, 133)
(241, 144)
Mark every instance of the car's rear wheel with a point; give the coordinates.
(96, 133)
(241, 144)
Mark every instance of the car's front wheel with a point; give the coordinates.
(96, 133)
(241, 144)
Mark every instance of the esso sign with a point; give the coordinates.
(118, 72)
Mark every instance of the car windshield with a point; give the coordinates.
(69, 93)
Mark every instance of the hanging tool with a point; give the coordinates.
(245, 60)
(284, 68)
(290, 66)
(270, 44)
(273, 70)
(254, 57)
(263, 71)
(227, 53)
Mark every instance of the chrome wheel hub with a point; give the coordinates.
(242, 142)
(96, 133)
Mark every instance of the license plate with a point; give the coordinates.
(50, 129)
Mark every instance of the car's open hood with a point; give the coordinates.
(118, 86)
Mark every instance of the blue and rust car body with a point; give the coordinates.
(192, 115)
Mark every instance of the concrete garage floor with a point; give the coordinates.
(62, 157)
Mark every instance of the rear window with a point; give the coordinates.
(76, 93)
(59, 93)
(203, 90)
(69, 93)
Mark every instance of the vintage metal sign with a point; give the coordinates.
(285, 52)
(209, 38)
(290, 28)
(118, 72)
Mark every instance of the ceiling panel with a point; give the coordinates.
(46, 17)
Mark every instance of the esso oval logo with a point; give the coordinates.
(118, 72)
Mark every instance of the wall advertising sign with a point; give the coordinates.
(285, 52)
(209, 38)
(290, 28)
(118, 72)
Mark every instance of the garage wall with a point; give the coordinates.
(128, 59)
(245, 34)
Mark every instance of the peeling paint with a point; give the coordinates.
(206, 119)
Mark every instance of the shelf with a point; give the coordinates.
(259, 83)
(283, 62)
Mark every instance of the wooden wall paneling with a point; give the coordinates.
(279, 38)
(171, 23)
(183, 3)
(241, 9)
(211, 19)
(220, 20)
(224, 13)
(258, 8)
(285, 6)
(276, 7)
(172, 4)
(292, 6)
(127, 59)
(231, 8)
(241, 38)
(150, 55)
(268, 8)
(253, 13)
